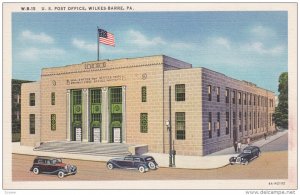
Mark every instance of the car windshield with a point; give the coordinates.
(247, 151)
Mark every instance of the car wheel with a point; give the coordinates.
(258, 154)
(61, 174)
(231, 163)
(246, 162)
(142, 169)
(151, 165)
(36, 170)
(110, 166)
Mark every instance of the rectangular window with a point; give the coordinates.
(240, 121)
(32, 99)
(258, 101)
(258, 120)
(116, 117)
(32, 123)
(96, 117)
(144, 94)
(233, 119)
(209, 92)
(250, 121)
(116, 95)
(144, 122)
(227, 123)
(180, 125)
(77, 97)
(267, 118)
(240, 98)
(180, 92)
(209, 125)
(250, 97)
(53, 122)
(77, 117)
(53, 98)
(245, 121)
(96, 96)
(227, 95)
(218, 123)
(233, 97)
(254, 120)
(245, 99)
(218, 94)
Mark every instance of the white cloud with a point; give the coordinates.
(92, 47)
(221, 41)
(262, 31)
(139, 39)
(81, 44)
(260, 48)
(41, 37)
(37, 53)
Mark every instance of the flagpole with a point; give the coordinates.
(98, 50)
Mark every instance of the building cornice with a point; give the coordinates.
(99, 69)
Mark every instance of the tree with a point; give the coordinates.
(281, 111)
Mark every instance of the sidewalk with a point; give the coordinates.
(212, 161)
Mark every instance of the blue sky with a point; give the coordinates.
(248, 46)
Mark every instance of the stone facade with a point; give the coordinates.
(30, 136)
(143, 85)
(248, 108)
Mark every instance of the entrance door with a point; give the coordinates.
(116, 136)
(96, 134)
(78, 132)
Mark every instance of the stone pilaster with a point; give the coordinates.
(105, 117)
(85, 113)
(68, 111)
(124, 114)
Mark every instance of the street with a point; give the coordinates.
(278, 145)
(270, 165)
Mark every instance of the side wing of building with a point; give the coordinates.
(233, 111)
(30, 112)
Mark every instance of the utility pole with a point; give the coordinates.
(170, 130)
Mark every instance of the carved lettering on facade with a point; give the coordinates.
(95, 65)
(100, 79)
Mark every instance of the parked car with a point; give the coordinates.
(142, 163)
(50, 165)
(248, 154)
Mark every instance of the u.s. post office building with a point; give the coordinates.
(127, 101)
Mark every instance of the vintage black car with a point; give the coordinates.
(248, 154)
(142, 163)
(50, 165)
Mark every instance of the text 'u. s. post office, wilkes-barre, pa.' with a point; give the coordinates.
(78, 8)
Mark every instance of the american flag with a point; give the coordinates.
(106, 37)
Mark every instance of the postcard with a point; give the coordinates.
(150, 96)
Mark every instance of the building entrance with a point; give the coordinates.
(116, 137)
(96, 134)
(77, 134)
(95, 115)
(76, 110)
(87, 111)
(115, 115)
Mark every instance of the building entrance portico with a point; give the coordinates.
(96, 115)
